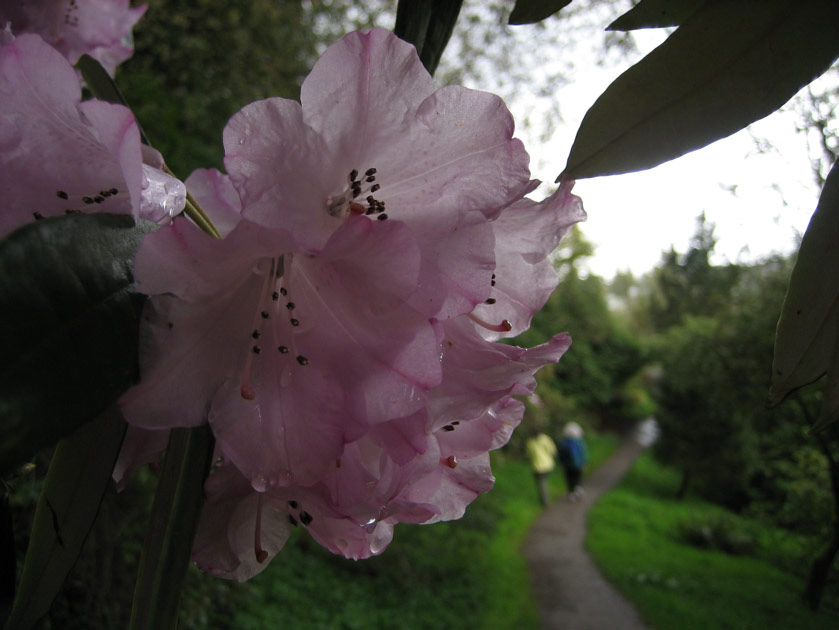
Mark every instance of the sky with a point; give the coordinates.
(758, 202)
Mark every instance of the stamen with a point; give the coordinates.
(504, 326)
(259, 552)
(247, 392)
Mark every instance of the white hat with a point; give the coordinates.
(572, 430)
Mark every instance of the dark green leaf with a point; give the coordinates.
(806, 337)
(102, 86)
(68, 335)
(428, 25)
(172, 526)
(78, 476)
(531, 11)
(656, 14)
(729, 64)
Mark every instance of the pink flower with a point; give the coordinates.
(99, 28)
(340, 338)
(59, 155)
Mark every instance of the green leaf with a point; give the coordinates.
(655, 14)
(428, 25)
(69, 330)
(102, 86)
(729, 64)
(172, 526)
(78, 476)
(806, 336)
(532, 11)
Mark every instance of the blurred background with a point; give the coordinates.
(730, 520)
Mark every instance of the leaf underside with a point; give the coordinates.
(728, 65)
(69, 331)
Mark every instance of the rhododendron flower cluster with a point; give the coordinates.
(341, 339)
(59, 155)
(99, 28)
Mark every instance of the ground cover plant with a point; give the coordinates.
(689, 564)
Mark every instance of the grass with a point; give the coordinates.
(648, 545)
(466, 574)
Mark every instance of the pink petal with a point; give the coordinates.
(216, 195)
(56, 154)
(359, 92)
(525, 234)
(95, 27)
(277, 164)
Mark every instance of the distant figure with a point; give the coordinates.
(541, 450)
(573, 457)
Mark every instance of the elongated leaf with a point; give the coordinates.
(69, 329)
(656, 14)
(78, 476)
(102, 86)
(807, 329)
(174, 519)
(428, 25)
(532, 11)
(727, 65)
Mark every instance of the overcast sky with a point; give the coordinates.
(759, 202)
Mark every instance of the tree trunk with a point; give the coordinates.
(683, 486)
(821, 565)
(819, 572)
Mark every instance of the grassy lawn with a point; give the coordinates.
(462, 574)
(638, 535)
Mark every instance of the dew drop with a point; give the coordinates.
(260, 482)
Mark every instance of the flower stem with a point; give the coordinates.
(174, 518)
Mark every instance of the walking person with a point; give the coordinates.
(541, 451)
(573, 458)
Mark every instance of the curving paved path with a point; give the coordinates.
(570, 591)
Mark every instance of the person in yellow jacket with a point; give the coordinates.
(541, 451)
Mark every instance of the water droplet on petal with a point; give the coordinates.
(260, 483)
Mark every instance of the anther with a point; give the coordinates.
(62, 195)
(450, 461)
(87, 200)
(38, 216)
(275, 296)
(448, 427)
(353, 175)
(490, 301)
(264, 314)
(370, 171)
(113, 191)
(256, 349)
(374, 187)
(302, 360)
(382, 217)
(255, 334)
(292, 520)
(294, 322)
(283, 350)
(370, 179)
(305, 518)
(283, 291)
(292, 504)
(98, 199)
(247, 392)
